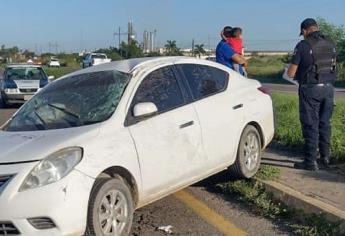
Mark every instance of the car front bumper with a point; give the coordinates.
(18, 96)
(65, 202)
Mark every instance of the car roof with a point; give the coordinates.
(130, 65)
(23, 65)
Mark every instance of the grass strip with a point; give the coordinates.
(253, 194)
(288, 133)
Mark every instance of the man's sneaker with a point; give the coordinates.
(306, 166)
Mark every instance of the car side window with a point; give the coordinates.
(204, 80)
(161, 88)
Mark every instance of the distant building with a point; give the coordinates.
(149, 41)
(130, 32)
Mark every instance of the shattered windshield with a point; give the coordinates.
(71, 102)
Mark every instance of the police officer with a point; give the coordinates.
(313, 66)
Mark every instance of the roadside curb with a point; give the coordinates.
(298, 200)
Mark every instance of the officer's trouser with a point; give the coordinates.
(316, 108)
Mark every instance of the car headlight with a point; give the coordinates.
(53, 168)
(10, 90)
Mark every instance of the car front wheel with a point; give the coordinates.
(110, 208)
(248, 154)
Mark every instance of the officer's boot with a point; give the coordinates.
(324, 162)
(306, 165)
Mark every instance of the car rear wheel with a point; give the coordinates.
(248, 154)
(110, 208)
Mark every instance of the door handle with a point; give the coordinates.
(237, 106)
(190, 123)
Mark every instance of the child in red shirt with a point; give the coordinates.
(236, 43)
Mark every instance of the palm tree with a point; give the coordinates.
(199, 50)
(171, 48)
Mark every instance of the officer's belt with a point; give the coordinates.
(313, 85)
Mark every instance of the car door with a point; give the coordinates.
(218, 110)
(169, 143)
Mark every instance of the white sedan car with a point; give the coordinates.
(90, 148)
(54, 62)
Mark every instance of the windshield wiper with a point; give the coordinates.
(65, 110)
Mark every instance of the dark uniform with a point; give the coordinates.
(315, 58)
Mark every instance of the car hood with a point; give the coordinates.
(23, 84)
(16, 147)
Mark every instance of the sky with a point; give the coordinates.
(75, 25)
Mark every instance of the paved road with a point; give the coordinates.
(197, 210)
(286, 88)
(5, 114)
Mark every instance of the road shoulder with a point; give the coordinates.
(318, 192)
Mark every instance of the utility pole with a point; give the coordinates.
(53, 45)
(118, 34)
(81, 41)
(193, 48)
(154, 39)
(56, 48)
(209, 45)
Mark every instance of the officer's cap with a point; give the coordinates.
(306, 24)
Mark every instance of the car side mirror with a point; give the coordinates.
(50, 78)
(144, 110)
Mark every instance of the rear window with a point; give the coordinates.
(204, 80)
(25, 73)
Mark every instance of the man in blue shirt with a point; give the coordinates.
(225, 54)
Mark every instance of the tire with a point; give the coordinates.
(103, 191)
(248, 157)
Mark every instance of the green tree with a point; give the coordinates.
(28, 54)
(172, 49)
(199, 50)
(131, 50)
(337, 33)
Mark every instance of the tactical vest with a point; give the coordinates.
(323, 70)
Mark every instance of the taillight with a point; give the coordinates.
(264, 90)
